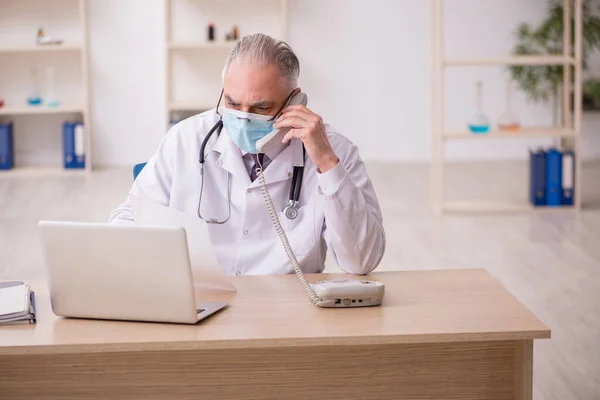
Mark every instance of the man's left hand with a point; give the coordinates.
(308, 127)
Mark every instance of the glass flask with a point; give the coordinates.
(479, 122)
(34, 98)
(51, 98)
(509, 121)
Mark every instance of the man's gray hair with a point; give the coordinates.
(262, 50)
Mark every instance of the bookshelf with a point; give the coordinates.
(193, 63)
(40, 49)
(570, 128)
(533, 132)
(19, 54)
(28, 110)
(201, 45)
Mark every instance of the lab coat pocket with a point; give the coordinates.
(300, 231)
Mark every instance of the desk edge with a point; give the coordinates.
(270, 343)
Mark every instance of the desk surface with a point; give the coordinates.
(418, 307)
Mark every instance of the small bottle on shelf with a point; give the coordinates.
(211, 32)
(39, 37)
(509, 121)
(479, 122)
(51, 98)
(233, 34)
(34, 98)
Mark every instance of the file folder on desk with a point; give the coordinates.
(537, 177)
(553, 177)
(17, 302)
(6, 146)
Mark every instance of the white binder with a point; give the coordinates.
(17, 302)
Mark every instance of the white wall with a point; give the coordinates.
(366, 69)
(127, 72)
(364, 66)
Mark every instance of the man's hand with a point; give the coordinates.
(308, 127)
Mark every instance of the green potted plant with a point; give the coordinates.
(544, 83)
(591, 94)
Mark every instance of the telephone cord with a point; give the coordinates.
(314, 298)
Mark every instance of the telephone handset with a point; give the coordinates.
(271, 144)
(328, 293)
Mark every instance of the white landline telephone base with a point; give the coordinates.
(330, 293)
(349, 292)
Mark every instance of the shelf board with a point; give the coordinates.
(191, 106)
(481, 206)
(40, 48)
(538, 132)
(200, 45)
(35, 171)
(515, 60)
(42, 109)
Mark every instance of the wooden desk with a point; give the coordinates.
(454, 334)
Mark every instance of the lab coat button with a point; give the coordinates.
(245, 232)
(249, 191)
(238, 273)
(220, 162)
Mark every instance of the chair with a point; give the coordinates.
(137, 168)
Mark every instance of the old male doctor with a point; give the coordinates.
(337, 206)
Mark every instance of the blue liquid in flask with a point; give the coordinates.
(479, 122)
(479, 128)
(34, 101)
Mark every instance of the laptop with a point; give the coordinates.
(116, 272)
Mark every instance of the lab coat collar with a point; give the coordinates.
(280, 168)
(230, 157)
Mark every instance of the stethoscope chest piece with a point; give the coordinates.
(291, 210)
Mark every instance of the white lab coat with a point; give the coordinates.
(337, 210)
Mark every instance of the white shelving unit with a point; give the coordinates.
(41, 49)
(541, 132)
(201, 45)
(569, 129)
(15, 105)
(214, 52)
(42, 109)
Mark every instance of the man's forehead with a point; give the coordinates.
(253, 98)
(251, 83)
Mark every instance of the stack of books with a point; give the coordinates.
(17, 303)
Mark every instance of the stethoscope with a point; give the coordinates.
(290, 210)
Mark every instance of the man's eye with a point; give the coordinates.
(232, 104)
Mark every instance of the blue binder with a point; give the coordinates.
(73, 145)
(537, 177)
(553, 177)
(6, 146)
(567, 187)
